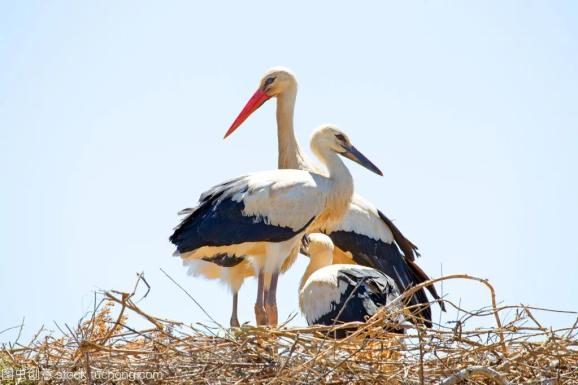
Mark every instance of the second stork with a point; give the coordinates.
(262, 217)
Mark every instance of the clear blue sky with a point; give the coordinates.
(112, 114)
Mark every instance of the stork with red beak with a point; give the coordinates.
(365, 236)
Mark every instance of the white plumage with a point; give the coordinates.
(261, 217)
(363, 218)
(338, 293)
(323, 293)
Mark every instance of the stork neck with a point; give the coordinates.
(336, 169)
(290, 155)
(315, 263)
(340, 190)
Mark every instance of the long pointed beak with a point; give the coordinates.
(353, 153)
(256, 101)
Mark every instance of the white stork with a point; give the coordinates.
(330, 294)
(261, 217)
(365, 235)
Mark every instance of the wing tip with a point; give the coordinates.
(188, 210)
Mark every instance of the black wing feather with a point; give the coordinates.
(366, 292)
(386, 258)
(218, 220)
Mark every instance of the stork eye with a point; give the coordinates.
(341, 137)
(269, 81)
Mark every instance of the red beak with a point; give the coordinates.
(256, 101)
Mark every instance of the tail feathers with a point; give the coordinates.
(400, 271)
(421, 276)
(410, 251)
(186, 211)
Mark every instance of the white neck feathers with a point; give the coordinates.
(290, 154)
(340, 189)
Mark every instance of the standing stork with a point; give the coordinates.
(261, 217)
(365, 236)
(330, 294)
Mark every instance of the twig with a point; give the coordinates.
(475, 370)
(410, 292)
(19, 331)
(141, 278)
(421, 354)
(195, 301)
(10, 328)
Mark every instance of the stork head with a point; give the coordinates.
(276, 82)
(320, 249)
(330, 138)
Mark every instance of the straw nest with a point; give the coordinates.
(104, 348)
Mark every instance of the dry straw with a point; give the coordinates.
(104, 348)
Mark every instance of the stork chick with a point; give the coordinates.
(340, 293)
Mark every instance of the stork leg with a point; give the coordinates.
(234, 319)
(260, 314)
(271, 300)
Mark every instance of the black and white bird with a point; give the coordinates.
(332, 294)
(365, 236)
(261, 217)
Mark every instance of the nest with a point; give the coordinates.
(104, 348)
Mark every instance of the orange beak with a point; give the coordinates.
(256, 101)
